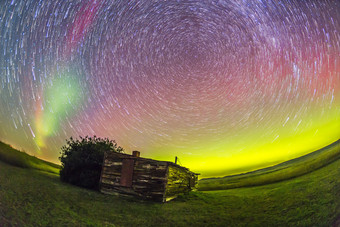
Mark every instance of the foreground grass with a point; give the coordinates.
(34, 198)
(21, 159)
(290, 169)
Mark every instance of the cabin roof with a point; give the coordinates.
(129, 156)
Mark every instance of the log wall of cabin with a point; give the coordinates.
(148, 180)
(179, 181)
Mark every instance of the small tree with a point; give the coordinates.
(82, 160)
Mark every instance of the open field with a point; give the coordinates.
(286, 170)
(21, 159)
(30, 197)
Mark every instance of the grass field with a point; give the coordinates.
(286, 170)
(30, 197)
(18, 158)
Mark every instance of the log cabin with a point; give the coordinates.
(144, 178)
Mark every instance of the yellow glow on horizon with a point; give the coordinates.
(221, 160)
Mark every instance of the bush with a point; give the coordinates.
(82, 160)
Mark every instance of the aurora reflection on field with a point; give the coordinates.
(227, 86)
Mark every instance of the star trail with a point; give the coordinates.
(227, 86)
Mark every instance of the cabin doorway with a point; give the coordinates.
(127, 172)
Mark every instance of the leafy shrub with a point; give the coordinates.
(82, 160)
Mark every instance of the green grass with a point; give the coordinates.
(22, 159)
(34, 198)
(287, 170)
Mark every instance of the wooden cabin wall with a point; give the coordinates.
(148, 180)
(180, 180)
(111, 173)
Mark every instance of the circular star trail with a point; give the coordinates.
(227, 86)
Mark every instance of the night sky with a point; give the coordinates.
(227, 86)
